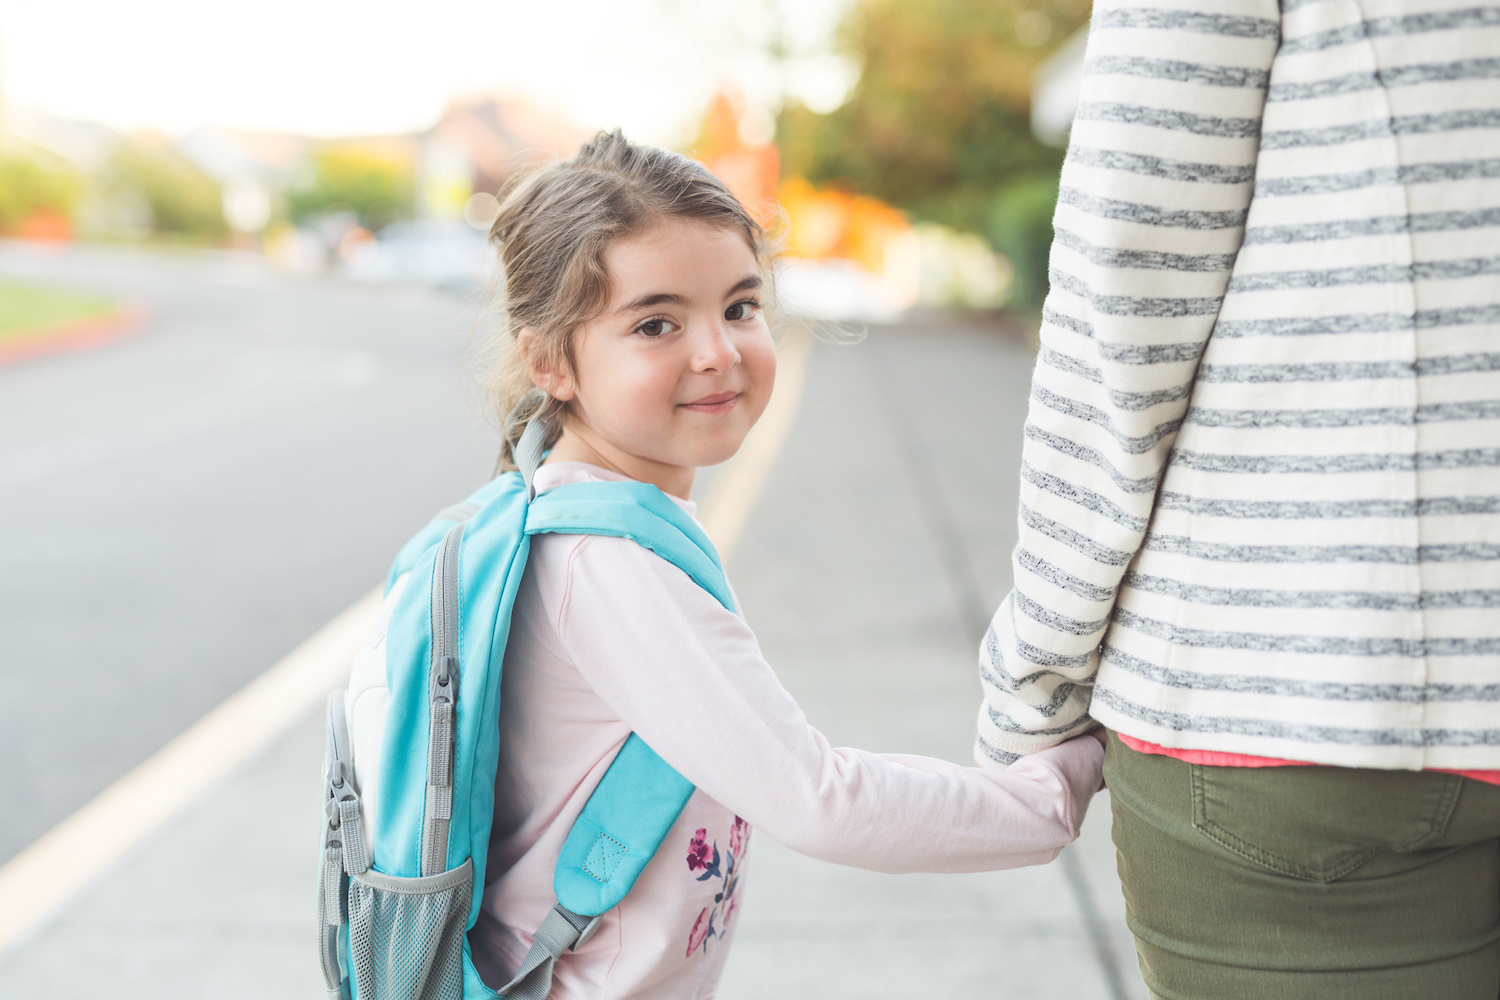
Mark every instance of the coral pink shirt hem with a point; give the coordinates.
(1215, 758)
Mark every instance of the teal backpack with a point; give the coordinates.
(406, 835)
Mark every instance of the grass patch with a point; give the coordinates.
(29, 310)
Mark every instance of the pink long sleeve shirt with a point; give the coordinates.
(608, 638)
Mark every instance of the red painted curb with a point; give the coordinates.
(78, 335)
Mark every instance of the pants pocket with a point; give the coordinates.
(406, 935)
(1318, 824)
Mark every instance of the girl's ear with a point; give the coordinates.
(552, 378)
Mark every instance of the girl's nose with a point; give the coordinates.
(714, 349)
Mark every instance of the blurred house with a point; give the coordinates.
(474, 147)
(86, 146)
(252, 169)
(459, 165)
(477, 146)
(410, 206)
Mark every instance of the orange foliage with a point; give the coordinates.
(45, 226)
(822, 223)
(833, 223)
(750, 171)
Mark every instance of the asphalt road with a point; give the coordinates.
(180, 510)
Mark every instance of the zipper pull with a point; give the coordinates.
(444, 686)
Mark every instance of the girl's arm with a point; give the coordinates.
(1149, 219)
(688, 676)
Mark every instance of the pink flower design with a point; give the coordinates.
(703, 856)
(737, 836)
(699, 933)
(699, 852)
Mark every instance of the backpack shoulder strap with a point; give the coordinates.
(640, 796)
(639, 512)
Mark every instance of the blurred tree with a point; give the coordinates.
(29, 188)
(376, 184)
(184, 201)
(938, 123)
(1019, 225)
(751, 169)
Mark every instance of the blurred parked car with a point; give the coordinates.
(449, 254)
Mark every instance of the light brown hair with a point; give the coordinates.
(553, 228)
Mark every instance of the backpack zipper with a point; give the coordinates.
(442, 704)
(344, 850)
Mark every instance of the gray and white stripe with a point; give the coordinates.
(1261, 468)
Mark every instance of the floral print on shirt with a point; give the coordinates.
(701, 857)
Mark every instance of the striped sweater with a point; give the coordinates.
(1260, 490)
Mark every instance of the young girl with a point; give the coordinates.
(634, 284)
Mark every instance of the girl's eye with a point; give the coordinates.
(655, 327)
(741, 310)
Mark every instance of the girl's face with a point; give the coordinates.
(679, 366)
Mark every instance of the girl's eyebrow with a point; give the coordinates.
(745, 284)
(654, 299)
(672, 298)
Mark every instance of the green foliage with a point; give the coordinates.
(28, 187)
(1020, 226)
(939, 122)
(375, 185)
(184, 201)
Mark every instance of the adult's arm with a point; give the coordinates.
(1150, 215)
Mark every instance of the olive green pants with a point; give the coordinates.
(1297, 883)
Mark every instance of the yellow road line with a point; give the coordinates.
(44, 877)
(733, 496)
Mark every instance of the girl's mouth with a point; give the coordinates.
(719, 402)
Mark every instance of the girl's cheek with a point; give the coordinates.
(763, 361)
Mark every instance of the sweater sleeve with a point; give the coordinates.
(688, 676)
(1150, 215)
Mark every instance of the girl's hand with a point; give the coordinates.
(1098, 734)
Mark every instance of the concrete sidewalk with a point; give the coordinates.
(220, 906)
(878, 547)
(869, 570)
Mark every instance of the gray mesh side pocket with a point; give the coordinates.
(406, 935)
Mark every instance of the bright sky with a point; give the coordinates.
(340, 67)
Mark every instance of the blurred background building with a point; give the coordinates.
(905, 151)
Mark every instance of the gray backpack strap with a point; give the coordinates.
(563, 930)
(344, 851)
(528, 449)
(528, 452)
(343, 800)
